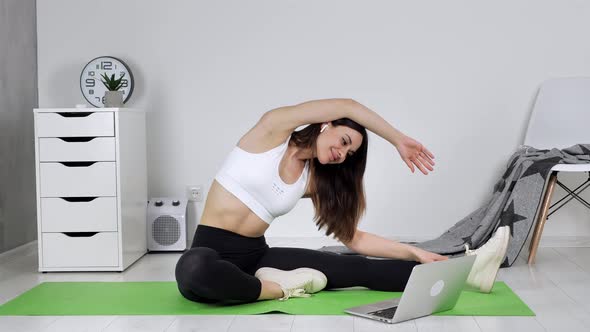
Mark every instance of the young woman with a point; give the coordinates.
(264, 176)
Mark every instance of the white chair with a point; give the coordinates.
(560, 119)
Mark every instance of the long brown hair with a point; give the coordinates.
(338, 193)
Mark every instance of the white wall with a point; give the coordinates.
(460, 76)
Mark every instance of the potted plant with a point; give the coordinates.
(113, 97)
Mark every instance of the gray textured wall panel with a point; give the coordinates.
(18, 97)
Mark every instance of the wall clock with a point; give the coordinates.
(91, 77)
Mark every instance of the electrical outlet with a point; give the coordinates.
(194, 193)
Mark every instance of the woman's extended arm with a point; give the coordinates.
(372, 245)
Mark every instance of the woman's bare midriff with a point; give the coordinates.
(224, 210)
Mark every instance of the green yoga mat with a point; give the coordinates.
(163, 298)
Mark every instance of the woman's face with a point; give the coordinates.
(336, 143)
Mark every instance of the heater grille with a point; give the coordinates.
(166, 230)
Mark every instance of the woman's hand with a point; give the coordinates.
(414, 153)
(424, 256)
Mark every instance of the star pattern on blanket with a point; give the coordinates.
(541, 167)
(506, 262)
(509, 169)
(499, 186)
(469, 239)
(584, 149)
(508, 218)
(512, 185)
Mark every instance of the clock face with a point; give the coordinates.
(91, 79)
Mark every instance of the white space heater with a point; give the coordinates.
(166, 224)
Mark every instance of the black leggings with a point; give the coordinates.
(221, 264)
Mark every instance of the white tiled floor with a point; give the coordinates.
(557, 288)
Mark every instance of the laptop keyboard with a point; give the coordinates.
(387, 313)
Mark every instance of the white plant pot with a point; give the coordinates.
(113, 99)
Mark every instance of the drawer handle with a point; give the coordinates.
(79, 199)
(76, 139)
(80, 234)
(74, 114)
(77, 163)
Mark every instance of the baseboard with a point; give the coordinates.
(23, 250)
(554, 241)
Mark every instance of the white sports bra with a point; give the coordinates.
(254, 179)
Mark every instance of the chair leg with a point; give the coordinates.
(542, 218)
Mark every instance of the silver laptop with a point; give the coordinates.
(432, 287)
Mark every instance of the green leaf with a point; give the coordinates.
(111, 83)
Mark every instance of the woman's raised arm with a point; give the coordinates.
(287, 118)
(324, 110)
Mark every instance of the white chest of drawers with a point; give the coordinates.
(91, 188)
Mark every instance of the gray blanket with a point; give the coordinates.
(514, 202)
